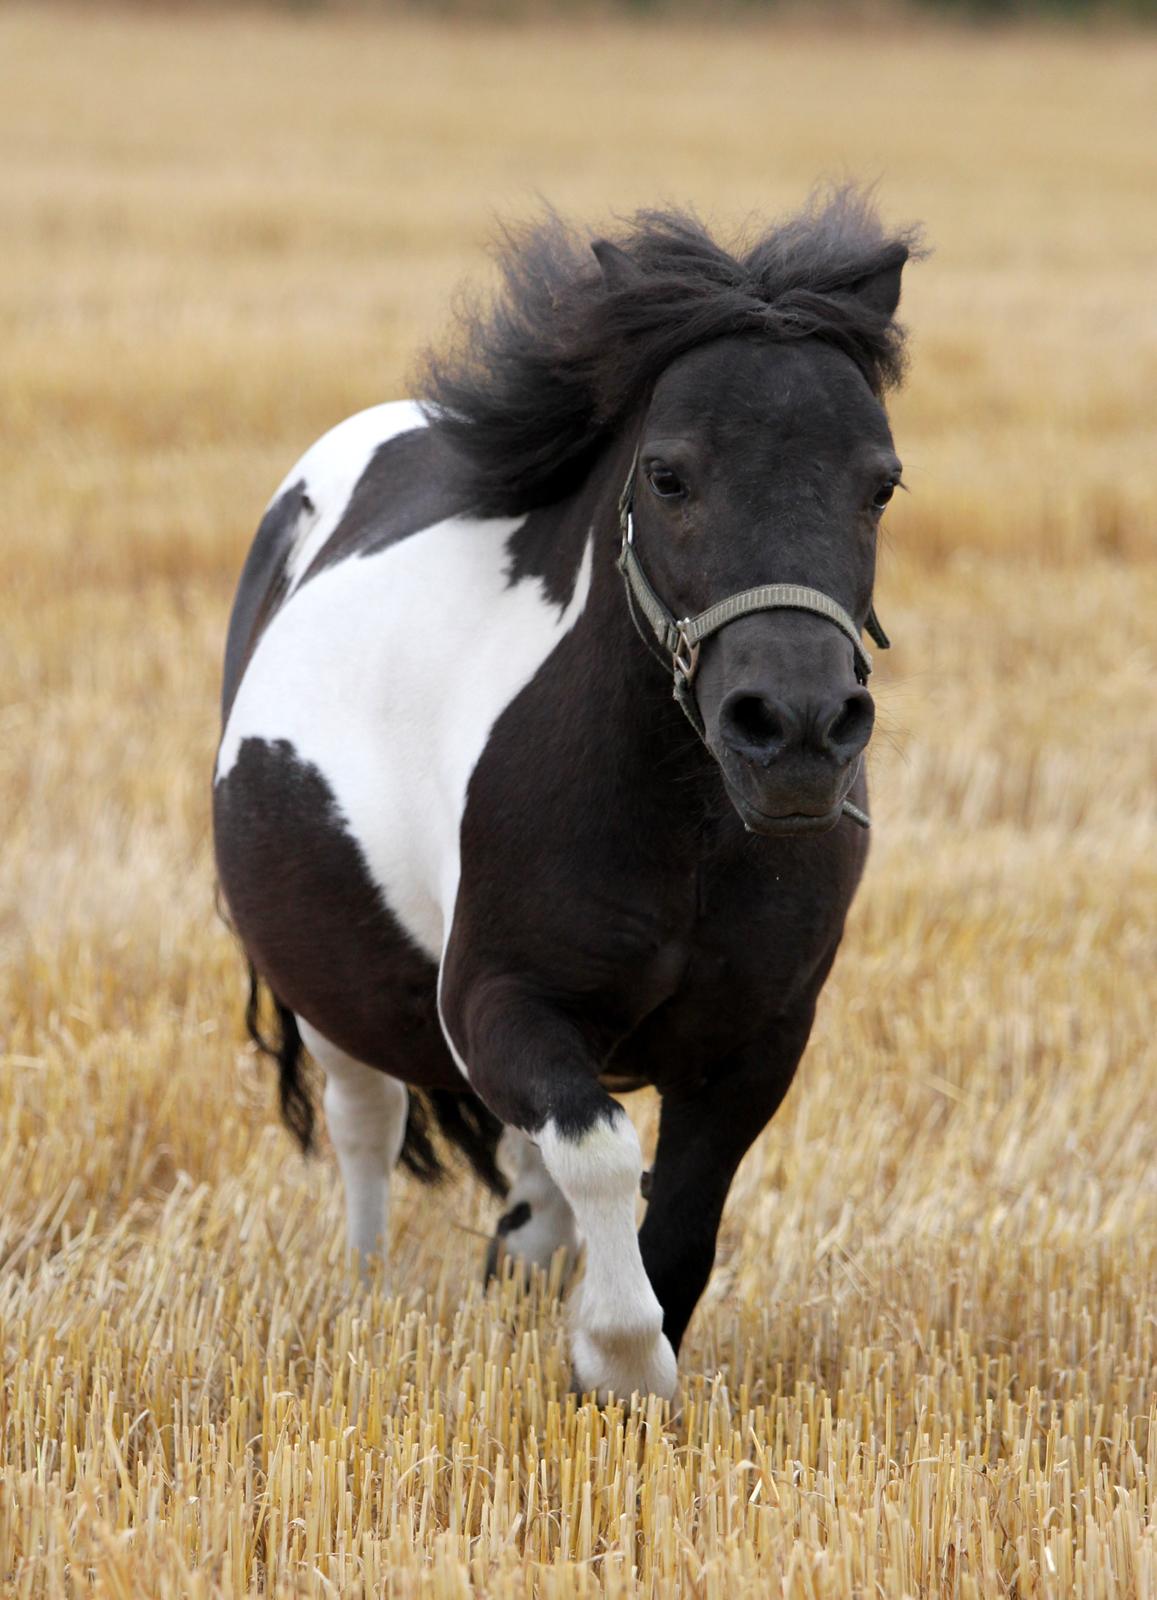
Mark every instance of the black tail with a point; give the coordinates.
(459, 1117)
(283, 1045)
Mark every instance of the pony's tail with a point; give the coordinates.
(283, 1044)
(459, 1117)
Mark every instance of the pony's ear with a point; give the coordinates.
(881, 289)
(619, 271)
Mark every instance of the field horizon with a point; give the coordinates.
(927, 1360)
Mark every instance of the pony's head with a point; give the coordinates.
(767, 467)
(750, 385)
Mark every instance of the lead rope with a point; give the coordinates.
(681, 640)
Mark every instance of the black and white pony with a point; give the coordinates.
(472, 841)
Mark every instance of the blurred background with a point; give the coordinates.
(223, 231)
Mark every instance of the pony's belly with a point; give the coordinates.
(381, 678)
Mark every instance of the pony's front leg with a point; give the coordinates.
(618, 1344)
(705, 1129)
(534, 1070)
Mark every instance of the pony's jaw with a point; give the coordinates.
(785, 824)
(767, 805)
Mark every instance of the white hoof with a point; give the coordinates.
(622, 1366)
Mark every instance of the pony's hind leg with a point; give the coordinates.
(538, 1219)
(365, 1111)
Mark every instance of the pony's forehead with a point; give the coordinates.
(740, 385)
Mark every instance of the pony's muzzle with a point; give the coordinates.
(761, 729)
(790, 760)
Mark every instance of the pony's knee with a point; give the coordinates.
(600, 1164)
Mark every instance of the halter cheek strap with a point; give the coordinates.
(680, 639)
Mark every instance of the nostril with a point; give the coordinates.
(851, 727)
(754, 724)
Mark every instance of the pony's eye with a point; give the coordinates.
(664, 482)
(882, 495)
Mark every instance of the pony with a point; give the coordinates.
(545, 705)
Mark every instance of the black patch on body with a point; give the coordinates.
(517, 1217)
(318, 933)
(542, 549)
(312, 919)
(615, 924)
(609, 890)
(263, 585)
(408, 484)
(405, 487)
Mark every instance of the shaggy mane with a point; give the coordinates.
(536, 382)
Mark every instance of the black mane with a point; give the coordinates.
(537, 381)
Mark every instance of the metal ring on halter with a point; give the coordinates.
(685, 659)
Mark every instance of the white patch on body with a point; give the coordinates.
(617, 1340)
(387, 672)
(365, 1111)
(551, 1224)
(331, 469)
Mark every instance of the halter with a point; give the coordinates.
(680, 638)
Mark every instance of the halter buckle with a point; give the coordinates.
(685, 656)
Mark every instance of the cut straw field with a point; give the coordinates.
(927, 1363)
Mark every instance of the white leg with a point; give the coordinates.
(537, 1220)
(365, 1111)
(617, 1321)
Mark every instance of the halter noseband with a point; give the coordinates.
(680, 639)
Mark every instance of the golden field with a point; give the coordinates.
(927, 1362)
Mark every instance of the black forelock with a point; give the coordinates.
(535, 382)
